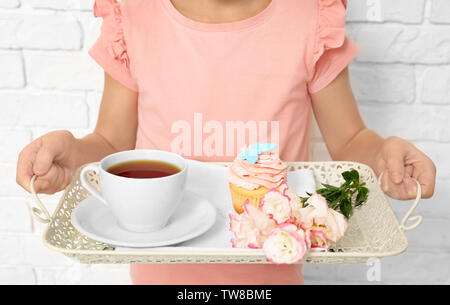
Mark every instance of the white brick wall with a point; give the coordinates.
(47, 82)
(402, 81)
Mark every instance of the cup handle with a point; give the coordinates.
(86, 177)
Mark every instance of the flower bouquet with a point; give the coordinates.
(287, 227)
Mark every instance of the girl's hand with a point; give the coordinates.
(48, 157)
(400, 161)
(55, 156)
(347, 138)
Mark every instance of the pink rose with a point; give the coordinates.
(317, 217)
(319, 240)
(276, 206)
(337, 226)
(261, 221)
(250, 228)
(246, 235)
(287, 245)
(294, 202)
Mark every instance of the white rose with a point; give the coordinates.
(286, 245)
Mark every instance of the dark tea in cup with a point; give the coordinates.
(144, 169)
(139, 205)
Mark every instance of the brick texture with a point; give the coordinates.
(439, 11)
(47, 81)
(9, 3)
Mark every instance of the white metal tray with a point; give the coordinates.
(373, 231)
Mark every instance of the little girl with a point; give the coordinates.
(174, 66)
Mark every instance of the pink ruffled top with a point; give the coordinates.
(194, 78)
(268, 171)
(113, 39)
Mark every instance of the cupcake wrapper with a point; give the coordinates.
(240, 195)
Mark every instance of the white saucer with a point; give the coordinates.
(194, 217)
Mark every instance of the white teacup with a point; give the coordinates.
(139, 205)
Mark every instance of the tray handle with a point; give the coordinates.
(41, 214)
(417, 218)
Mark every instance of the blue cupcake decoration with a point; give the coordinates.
(253, 152)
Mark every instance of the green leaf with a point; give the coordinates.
(363, 193)
(346, 208)
(341, 198)
(330, 187)
(351, 176)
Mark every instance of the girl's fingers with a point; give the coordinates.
(425, 173)
(44, 157)
(37, 159)
(44, 160)
(51, 182)
(403, 191)
(385, 182)
(394, 158)
(407, 189)
(409, 170)
(24, 171)
(410, 185)
(410, 188)
(401, 163)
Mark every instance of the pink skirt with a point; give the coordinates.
(216, 274)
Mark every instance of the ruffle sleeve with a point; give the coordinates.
(110, 50)
(333, 50)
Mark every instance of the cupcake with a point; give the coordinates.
(256, 170)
